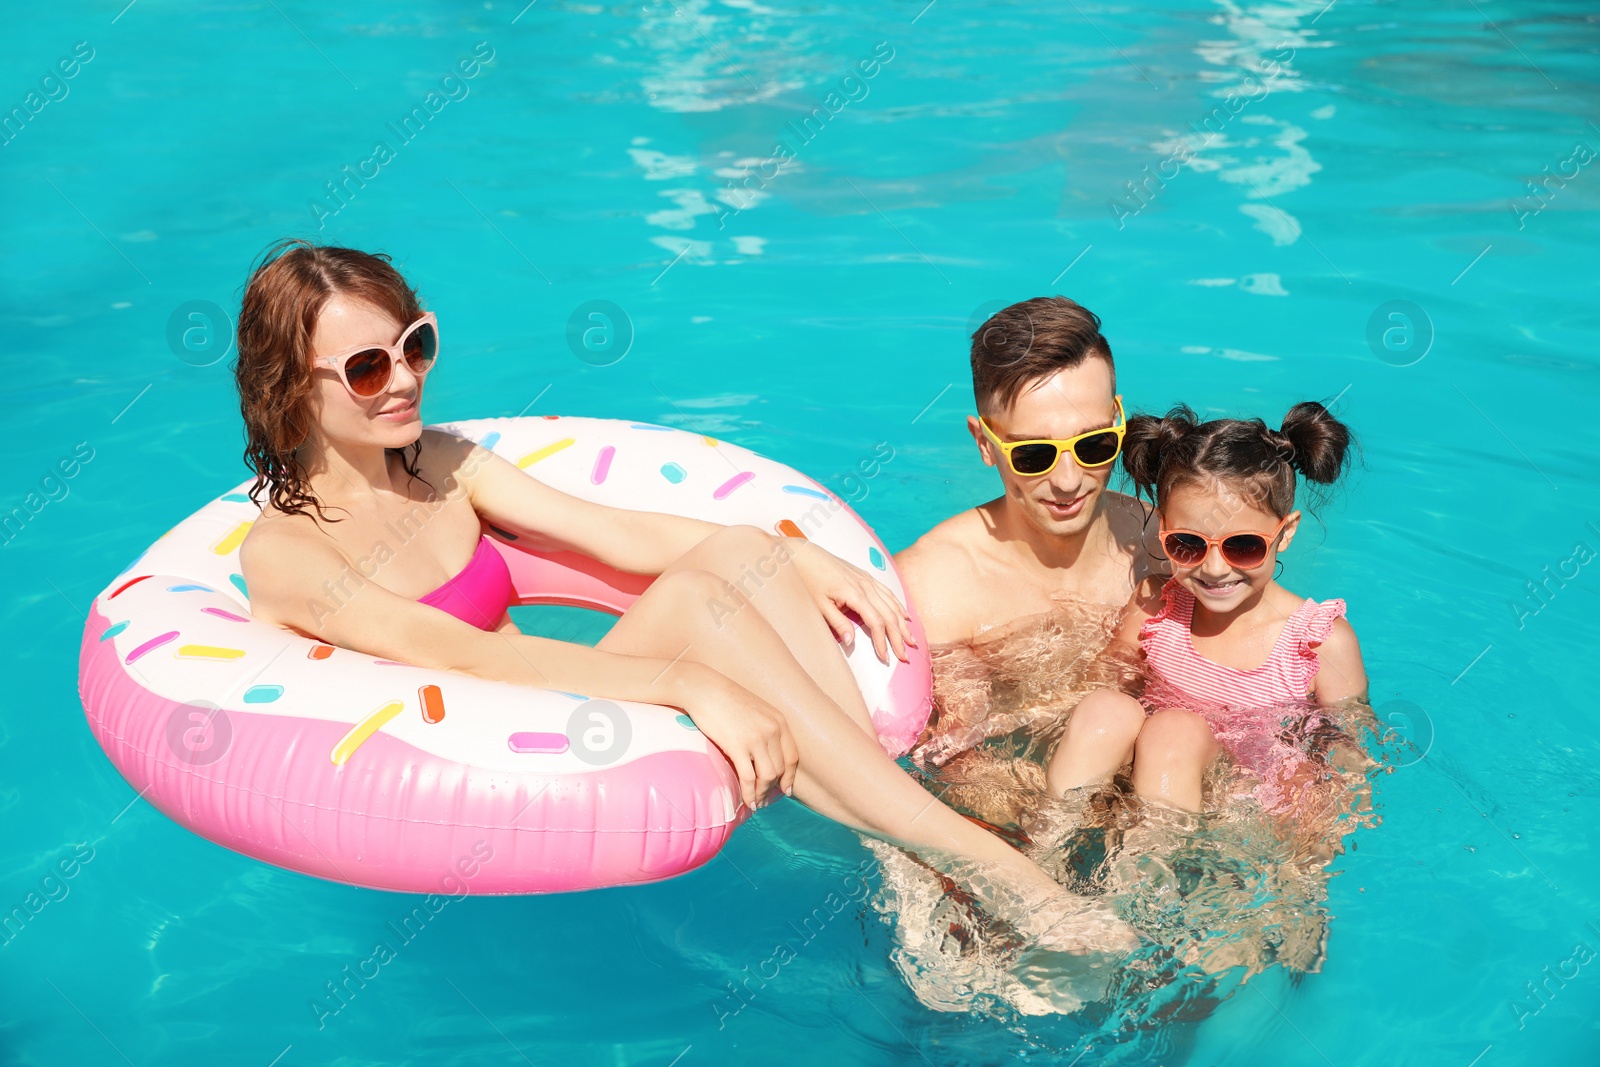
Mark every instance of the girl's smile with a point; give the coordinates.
(1212, 511)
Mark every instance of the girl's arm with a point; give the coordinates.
(1340, 676)
(1339, 687)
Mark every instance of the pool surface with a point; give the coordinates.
(710, 215)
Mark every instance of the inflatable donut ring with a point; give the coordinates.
(382, 774)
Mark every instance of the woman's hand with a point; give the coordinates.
(753, 734)
(836, 585)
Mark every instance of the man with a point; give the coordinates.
(1043, 374)
(1018, 595)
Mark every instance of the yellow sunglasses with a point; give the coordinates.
(1093, 449)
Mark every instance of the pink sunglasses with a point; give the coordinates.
(366, 369)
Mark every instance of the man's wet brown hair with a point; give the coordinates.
(1027, 342)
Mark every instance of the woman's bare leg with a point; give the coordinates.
(1099, 739)
(1170, 758)
(693, 612)
(762, 571)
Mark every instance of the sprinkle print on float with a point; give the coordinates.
(302, 716)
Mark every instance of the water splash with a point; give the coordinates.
(1217, 897)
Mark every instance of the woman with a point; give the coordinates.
(334, 348)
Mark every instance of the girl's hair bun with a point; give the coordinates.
(1321, 443)
(1149, 440)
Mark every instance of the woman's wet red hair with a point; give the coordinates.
(287, 290)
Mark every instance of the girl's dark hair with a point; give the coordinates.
(1254, 460)
(286, 292)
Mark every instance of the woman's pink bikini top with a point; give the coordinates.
(482, 591)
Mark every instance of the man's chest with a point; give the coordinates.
(997, 597)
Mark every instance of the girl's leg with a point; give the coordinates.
(764, 642)
(1099, 739)
(1170, 757)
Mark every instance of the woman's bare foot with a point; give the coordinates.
(1046, 916)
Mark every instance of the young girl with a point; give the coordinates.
(1231, 659)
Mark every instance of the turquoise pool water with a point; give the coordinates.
(1358, 223)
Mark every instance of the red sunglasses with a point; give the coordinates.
(366, 369)
(1188, 548)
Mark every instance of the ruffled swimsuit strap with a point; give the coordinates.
(1311, 626)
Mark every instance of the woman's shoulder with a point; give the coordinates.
(282, 556)
(437, 444)
(442, 453)
(447, 462)
(276, 537)
(274, 527)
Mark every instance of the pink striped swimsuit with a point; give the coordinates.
(1248, 710)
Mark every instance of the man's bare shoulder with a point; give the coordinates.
(941, 571)
(960, 532)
